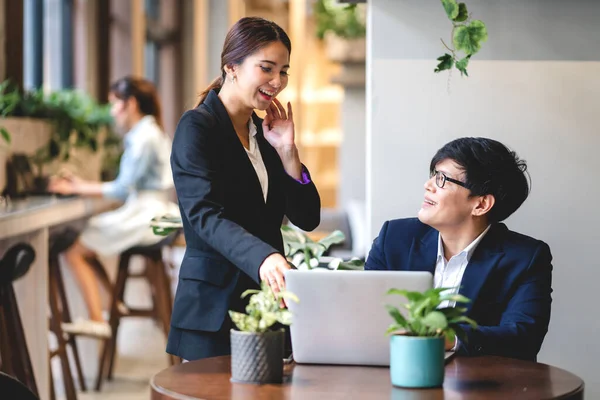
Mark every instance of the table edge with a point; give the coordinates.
(173, 395)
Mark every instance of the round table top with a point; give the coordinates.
(466, 378)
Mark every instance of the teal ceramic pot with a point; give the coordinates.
(416, 362)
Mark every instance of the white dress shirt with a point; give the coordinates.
(256, 159)
(450, 273)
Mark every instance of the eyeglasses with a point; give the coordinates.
(441, 178)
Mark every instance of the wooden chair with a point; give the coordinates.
(14, 355)
(155, 273)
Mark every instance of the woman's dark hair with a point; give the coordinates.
(246, 37)
(143, 91)
(489, 168)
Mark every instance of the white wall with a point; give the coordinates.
(534, 87)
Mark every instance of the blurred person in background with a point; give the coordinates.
(144, 183)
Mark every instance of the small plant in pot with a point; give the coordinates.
(417, 343)
(257, 347)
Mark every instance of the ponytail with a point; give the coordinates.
(215, 84)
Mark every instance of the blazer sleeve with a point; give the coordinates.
(195, 176)
(524, 323)
(376, 258)
(303, 204)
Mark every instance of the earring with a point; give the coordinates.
(233, 79)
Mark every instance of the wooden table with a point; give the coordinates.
(30, 220)
(466, 378)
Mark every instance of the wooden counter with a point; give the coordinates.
(30, 220)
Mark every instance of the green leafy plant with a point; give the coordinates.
(263, 310)
(301, 250)
(345, 21)
(467, 36)
(166, 224)
(425, 318)
(77, 119)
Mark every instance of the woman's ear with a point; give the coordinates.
(230, 70)
(132, 105)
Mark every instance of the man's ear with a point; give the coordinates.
(484, 205)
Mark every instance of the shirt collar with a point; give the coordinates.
(252, 136)
(140, 126)
(468, 251)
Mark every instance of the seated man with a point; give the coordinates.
(474, 184)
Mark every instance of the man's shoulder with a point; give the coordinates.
(406, 228)
(518, 242)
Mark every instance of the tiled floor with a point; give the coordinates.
(140, 354)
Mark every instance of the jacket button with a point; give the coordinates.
(479, 349)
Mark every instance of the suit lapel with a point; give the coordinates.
(239, 161)
(485, 258)
(268, 155)
(423, 252)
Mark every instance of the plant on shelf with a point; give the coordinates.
(257, 346)
(417, 343)
(343, 28)
(467, 36)
(76, 117)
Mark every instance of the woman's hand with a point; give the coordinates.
(278, 126)
(61, 185)
(272, 271)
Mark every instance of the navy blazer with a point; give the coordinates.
(229, 229)
(508, 279)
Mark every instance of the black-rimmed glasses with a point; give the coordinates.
(441, 178)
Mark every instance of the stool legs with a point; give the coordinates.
(56, 274)
(13, 347)
(61, 351)
(155, 273)
(109, 345)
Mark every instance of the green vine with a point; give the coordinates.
(467, 36)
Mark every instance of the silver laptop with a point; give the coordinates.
(341, 317)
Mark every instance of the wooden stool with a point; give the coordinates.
(156, 275)
(60, 313)
(14, 354)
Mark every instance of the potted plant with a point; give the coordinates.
(257, 346)
(417, 342)
(47, 127)
(342, 26)
(304, 253)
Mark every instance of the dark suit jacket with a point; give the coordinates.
(229, 229)
(508, 280)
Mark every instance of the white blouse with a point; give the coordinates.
(256, 159)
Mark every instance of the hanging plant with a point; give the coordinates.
(467, 36)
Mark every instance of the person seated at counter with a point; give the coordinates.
(458, 236)
(144, 182)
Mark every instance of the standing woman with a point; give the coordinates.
(144, 182)
(236, 177)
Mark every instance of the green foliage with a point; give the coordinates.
(354, 264)
(346, 21)
(425, 318)
(297, 243)
(166, 224)
(77, 118)
(467, 37)
(263, 310)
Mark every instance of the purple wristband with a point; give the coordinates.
(305, 180)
